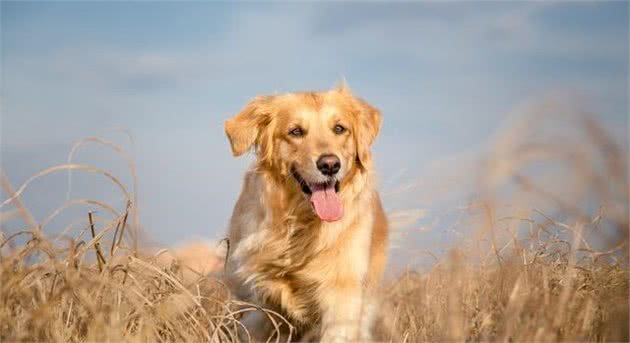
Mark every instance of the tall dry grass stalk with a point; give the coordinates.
(547, 259)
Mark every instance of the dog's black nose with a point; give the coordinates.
(328, 164)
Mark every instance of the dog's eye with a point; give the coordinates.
(296, 132)
(339, 129)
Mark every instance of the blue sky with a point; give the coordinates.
(445, 76)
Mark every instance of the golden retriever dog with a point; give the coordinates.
(308, 233)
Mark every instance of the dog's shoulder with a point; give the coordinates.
(379, 243)
(247, 210)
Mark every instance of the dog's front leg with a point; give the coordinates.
(342, 311)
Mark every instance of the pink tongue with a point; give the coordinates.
(326, 203)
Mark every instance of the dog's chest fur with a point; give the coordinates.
(286, 258)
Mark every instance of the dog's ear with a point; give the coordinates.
(369, 124)
(244, 128)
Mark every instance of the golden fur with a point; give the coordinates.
(318, 274)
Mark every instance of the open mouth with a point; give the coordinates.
(324, 197)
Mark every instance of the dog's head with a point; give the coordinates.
(318, 139)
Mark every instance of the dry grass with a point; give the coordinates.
(541, 265)
(547, 300)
